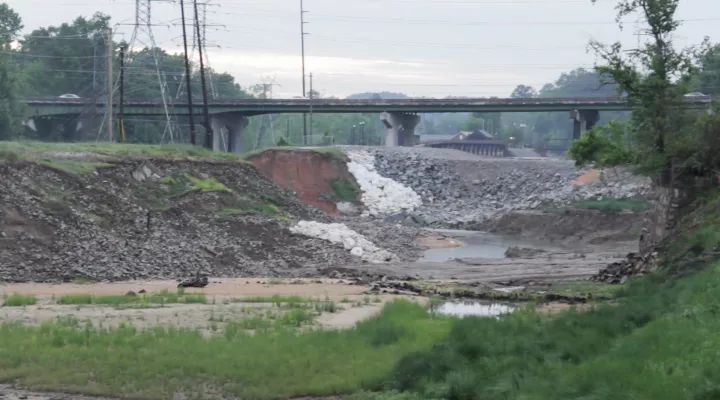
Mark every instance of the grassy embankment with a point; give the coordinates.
(79, 158)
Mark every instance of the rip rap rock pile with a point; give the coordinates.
(357, 244)
(379, 194)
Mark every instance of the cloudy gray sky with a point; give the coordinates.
(420, 47)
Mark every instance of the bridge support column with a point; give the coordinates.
(583, 121)
(400, 128)
(234, 124)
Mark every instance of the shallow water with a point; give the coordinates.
(477, 245)
(474, 308)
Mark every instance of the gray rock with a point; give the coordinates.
(349, 209)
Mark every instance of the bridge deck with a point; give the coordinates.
(55, 106)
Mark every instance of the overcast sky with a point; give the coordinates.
(419, 47)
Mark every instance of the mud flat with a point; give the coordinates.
(253, 304)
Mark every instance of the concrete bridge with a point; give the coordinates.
(400, 117)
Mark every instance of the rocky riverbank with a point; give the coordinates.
(458, 191)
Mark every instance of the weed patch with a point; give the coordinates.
(207, 185)
(19, 300)
(345, 190)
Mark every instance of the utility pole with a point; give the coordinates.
(110, 85)
(193, 139)
(121, 114)
(311, 105)
(302, 44)
(206, 111)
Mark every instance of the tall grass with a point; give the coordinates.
(654, 344)
(159, 363)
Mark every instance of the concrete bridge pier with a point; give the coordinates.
(583, 121)
(400, 128)
(234, 124)
(55, 129)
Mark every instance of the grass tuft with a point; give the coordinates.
(19, 300)
(164, 297)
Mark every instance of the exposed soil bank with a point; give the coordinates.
(309, 173)
(570, 227)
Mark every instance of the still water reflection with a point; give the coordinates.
(474, 308)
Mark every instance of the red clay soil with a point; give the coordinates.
(307, 172)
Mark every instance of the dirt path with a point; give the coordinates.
(219, 287)
(7, 392)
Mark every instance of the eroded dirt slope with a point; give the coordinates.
(308, 173)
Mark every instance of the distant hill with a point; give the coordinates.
(380, 95)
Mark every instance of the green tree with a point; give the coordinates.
(10, 109)
(61, 59)
(523, 92)
(707, 78)
(604, 146)
(650, 76)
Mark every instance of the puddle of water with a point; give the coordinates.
(477, 245)
(474, 309)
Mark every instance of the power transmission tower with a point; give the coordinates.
(267, 89)
(143, 39)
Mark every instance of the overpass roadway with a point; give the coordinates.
(250, 107)
(399, 116)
